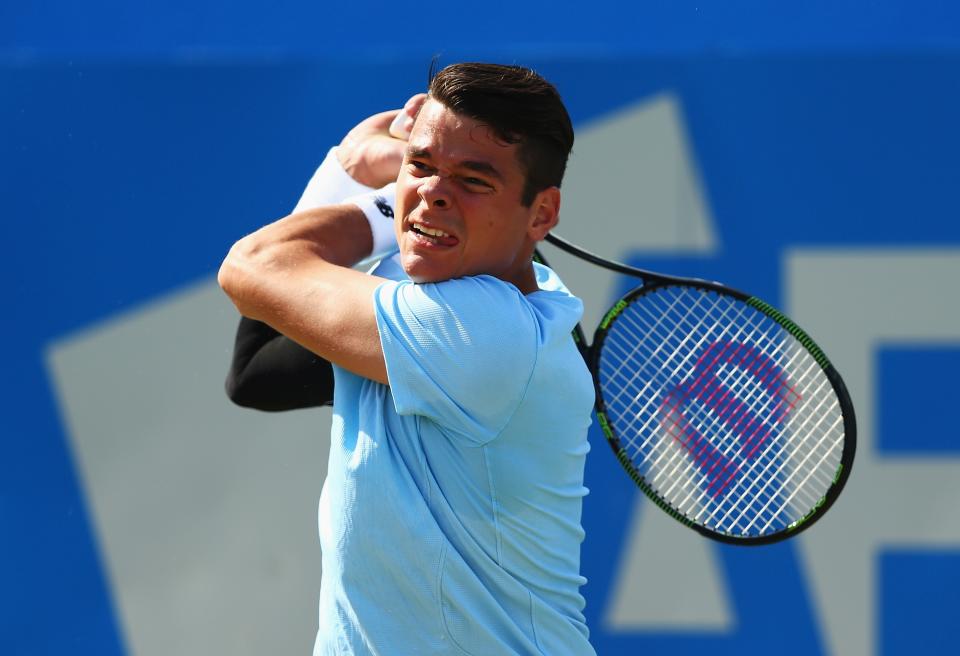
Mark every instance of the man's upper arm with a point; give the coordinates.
(270, 372)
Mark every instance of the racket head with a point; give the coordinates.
(722, 410)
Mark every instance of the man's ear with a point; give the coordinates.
(545, 213)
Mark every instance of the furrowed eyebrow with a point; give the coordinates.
(482, 167)
(473, 165)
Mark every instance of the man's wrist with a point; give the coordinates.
(378, 206)
(330, 185)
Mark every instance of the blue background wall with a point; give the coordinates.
(138, 140)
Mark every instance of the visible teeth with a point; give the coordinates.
(429, 231)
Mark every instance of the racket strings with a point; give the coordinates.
(766, 478)
(714, 444)
(747, 365)
(653, 416)
(637, 339)
(726, 474)
(692, 489)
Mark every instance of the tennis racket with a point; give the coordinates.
(727, 415)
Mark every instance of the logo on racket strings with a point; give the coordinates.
(734, 402)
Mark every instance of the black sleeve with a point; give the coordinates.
(271, 372)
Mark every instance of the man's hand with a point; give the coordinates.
(372, 152)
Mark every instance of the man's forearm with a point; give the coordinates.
(294, 275)
(335, 235)
(338, 234)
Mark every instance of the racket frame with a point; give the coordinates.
(653, 282)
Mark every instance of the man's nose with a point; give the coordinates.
(435, 191)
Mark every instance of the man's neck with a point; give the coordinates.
(526, 282)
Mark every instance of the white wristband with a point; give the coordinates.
(378, 206)
(329, 185)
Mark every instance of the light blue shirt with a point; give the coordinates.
(450, 517)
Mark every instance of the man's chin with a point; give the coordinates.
(421, 274)
(423, 271)
(421, 278)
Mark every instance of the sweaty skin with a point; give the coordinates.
(459, 180)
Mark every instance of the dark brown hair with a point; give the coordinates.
(521, 107)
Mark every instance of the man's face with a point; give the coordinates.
(458, 201)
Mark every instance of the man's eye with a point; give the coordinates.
(477, 182)
(420, 166)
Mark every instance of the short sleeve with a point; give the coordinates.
(459, 352)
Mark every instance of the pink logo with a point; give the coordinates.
(753, 416)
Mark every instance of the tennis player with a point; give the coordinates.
(450, 516)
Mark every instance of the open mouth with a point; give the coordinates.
(433, 235)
